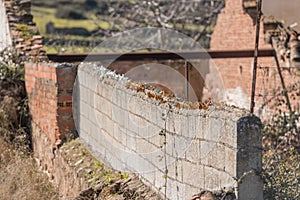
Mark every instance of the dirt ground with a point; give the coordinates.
(20, 178)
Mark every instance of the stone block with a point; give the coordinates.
(228, 133)
(119, 115)
(216, 157)
(104, 106)
(193, 174)
(175, 170)
(211, 179)
(160, 180)
(199, 129)
(143, 128)
(133, 124)
(230, 161)
(107, 91)
(181, 145)
(153, 130)
(192, 152)
(144, 147)
(83, 93)
(227, 181)
(131, 141)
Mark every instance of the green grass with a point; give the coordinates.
(43, 15)
(68, 49)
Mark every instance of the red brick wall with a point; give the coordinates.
(49, 87)
(235, 31)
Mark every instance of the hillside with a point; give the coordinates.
(79, 25)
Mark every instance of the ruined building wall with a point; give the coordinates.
(235, 31)
(204, 149)
(23, 31)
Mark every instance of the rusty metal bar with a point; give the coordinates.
(160, 55)
(187, 79)
(259, 13)
(283, 84)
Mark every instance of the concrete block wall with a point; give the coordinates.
(49, 87)
(178, 151)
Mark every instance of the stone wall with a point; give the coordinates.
(175, 150)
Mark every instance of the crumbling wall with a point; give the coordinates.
(190, 150)
(49, 87)
(74, 172)
(235, 31)
(174, 149)
(23, 31)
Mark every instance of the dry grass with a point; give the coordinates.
(20, 178)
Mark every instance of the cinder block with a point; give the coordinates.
(119, 115)
(144, 147)
(149, 175)
(91, 95)
(104, 106)
(91, 82)
(133, 123)
(211, 179)
(117, 133)
(131, 141)
(227, 181)
(161, 115)
(181, 145)
(118, 97)
(92, 115)
(193, 174)
(199, 131)
(160, 180)
(143, 128)
(231, 161)
(185, 129)
(157, 139)
(213, 129)
(192, 152)
(228, 133)
(106, 123)
(191, 121)
(83, 93)
(171, 122)
(153, 130)
(83, 124)
(175, 190)
(177, 129)
(175, 170)
(147, 111)
(107, 92)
